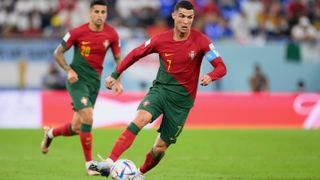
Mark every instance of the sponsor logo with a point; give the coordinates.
(88, 140)
(85, 42)
(168, 54)
(308, 104)
(84, 101)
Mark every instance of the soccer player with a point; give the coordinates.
(91, 42)
(181, 51)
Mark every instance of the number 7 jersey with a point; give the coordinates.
(180, 63)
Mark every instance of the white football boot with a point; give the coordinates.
(46, 141)
(140, 175)
(92, 168)
(104, 166)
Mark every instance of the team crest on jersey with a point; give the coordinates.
(84, 101)
(106, 43)
(192, 55)
(146, 103)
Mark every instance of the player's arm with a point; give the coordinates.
(219, 70)
(59, 57)
(116, 51)
(133, 56)
(118, 88)
(117, 59)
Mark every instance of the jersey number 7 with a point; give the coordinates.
(169, 64)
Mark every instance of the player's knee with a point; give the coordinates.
(142, 119)
(86, 116)
(76, 128)
(160, 148)
(86, 119)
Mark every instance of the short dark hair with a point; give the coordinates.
(98, 2)
(184, 4)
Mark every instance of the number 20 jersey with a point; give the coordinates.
(90, 48)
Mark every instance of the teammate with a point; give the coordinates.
(181, 51)
(91, 42)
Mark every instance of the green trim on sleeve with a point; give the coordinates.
(64, 44)
(115, 75)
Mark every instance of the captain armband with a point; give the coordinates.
(212, 55)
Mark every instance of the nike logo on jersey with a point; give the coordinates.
(85, 42)
(168, 54)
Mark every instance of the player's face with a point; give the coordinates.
(98, 14)
(183, 19)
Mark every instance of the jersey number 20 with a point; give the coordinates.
(85, 51)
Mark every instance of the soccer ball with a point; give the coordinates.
(123, 169)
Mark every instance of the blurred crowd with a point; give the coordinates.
(245, 21)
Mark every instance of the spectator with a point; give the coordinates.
(295, 10)
(159, 27)
(304, 31)
(271, 21)
(258, 80)
(240, 28)
(315, 15)
(252, 8)
(215, 27)
(300, 86)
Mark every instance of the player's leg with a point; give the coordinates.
(148, 110)
(77, 91)
(125, 140)
(127, 137)
(153, 157)
(84, 96)
(171, 126)
(85, 132)
(68, 129)
(86, 139)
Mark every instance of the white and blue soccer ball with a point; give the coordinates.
(123, 169)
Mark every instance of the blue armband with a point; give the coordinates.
(211, 55)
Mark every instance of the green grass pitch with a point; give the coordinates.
(199, 154)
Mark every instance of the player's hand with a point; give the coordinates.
(118, 89)
(205, 80)
(72, 76)
(109, 82)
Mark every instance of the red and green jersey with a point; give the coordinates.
(90, 48)
(180, 63)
